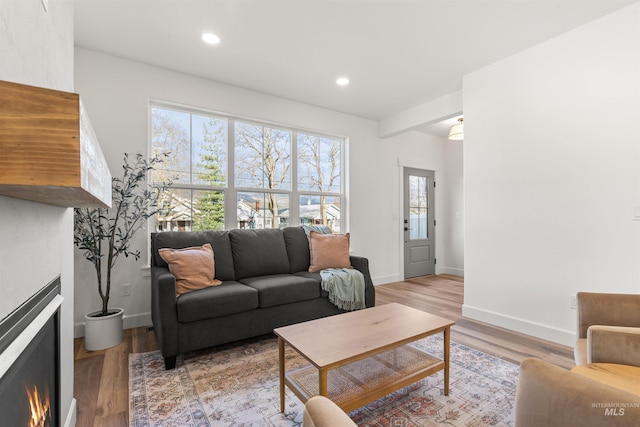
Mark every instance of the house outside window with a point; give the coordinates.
(230, 172)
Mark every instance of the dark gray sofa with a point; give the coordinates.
(265, 285)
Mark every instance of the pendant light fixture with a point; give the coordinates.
(456, 133)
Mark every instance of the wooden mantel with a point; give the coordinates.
(48, 150)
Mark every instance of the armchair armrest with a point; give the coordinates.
(549, 396)
(322, 412)
(607, 309)
(613, 344)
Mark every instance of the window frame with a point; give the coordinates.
(230, 192)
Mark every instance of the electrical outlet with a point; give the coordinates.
(573, 302)
(125, 290)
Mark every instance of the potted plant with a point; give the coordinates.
(104, 234)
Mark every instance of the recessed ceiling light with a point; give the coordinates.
(210, 38)
(342, 81)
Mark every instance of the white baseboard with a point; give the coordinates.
(70, 421)
(137, 320)
(78, 330)
(539, 330)
(381, 280)
(450, 270)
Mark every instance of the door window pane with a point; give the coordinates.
(418, 207)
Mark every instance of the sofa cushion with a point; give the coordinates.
(193, 267)
(314, 276)
(228, 298)
(278, 289)
(219, 241)
(297, 245)
(309, 275)
(258, 252)
(329, 251)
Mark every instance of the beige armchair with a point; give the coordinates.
(604, 388)
(550, 396)
(608, 329)
(322, 412)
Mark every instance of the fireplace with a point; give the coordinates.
(30, 361)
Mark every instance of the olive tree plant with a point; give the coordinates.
(103, 234)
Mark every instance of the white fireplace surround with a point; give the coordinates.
(17, 347)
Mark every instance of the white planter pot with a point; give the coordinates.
(104, 331)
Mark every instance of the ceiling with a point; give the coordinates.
(397, 53)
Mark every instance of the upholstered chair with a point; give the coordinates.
(550, 396)
(608, 329)
(604, 388)
(322, 412)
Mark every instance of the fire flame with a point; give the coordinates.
(39, 407)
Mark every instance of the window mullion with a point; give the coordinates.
(294, 201)
(231, 196)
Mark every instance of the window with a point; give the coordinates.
(235, 173)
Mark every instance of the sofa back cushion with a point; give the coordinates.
(219, 241)
(297, 248)
(258, 252)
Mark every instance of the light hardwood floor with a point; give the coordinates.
(102, 380)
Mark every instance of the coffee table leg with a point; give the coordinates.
(323, 382)
(281, 362)
(447, 338)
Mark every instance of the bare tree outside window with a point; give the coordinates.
(319, 161)
(263, 161)
(170, 133)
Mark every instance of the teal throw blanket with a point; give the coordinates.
(345, 287)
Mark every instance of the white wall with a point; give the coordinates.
(116, 93)
(453, 226)
(551, 172)
(36, 240)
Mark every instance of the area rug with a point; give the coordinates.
(237, 385)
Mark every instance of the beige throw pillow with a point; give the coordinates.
(193, 267)
(328, 251)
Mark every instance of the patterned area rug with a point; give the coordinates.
(237, 385)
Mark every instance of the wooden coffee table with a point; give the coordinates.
(363, 355)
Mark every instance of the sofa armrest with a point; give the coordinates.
(163, 310)
(362, 265)
(613, 344)
(550, 396)
(322, 412)
(607, 309)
